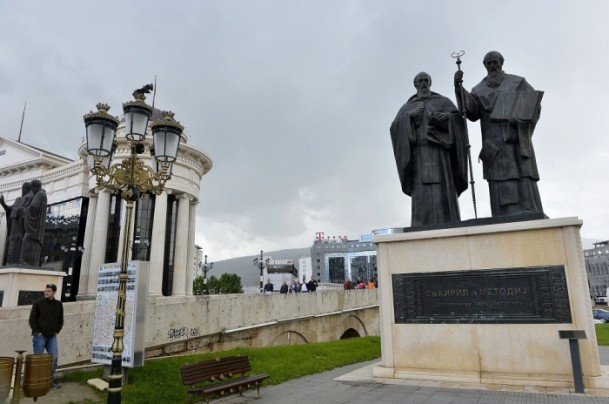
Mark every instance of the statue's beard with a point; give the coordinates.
(424, 93)
(494, 79)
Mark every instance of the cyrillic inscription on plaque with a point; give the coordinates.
(514, 295)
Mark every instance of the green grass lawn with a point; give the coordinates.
(160, 378)
(602, 333)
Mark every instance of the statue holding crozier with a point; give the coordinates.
(508, 108)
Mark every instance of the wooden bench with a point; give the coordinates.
(217, 376)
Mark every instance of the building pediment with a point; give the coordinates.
(18, 157)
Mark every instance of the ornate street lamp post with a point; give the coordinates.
(131, 177)
(72, 251)
(261, 264)
(206, 267)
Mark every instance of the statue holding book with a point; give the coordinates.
(430, 152)
(508, 109)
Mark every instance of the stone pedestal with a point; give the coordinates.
(485, 304)
(24, 281)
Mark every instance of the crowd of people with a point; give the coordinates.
(360, 284)
(296, 286)
(311, 286)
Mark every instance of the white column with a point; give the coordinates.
(3, 229)
(85, 263)
(190, 265)
(181, 252)
(98, 245)
(157, 245)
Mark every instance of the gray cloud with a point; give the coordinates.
(293, 100)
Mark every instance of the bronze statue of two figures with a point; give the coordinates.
(431, 146)
(26, 220)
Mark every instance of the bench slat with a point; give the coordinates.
(223, 373)
(234, 383)
(212, 370)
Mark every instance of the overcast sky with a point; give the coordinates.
(293, 100)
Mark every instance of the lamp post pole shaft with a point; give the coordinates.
(115, 379)
(261, 277)
(261, 266)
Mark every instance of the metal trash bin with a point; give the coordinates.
(38, 375)
(6, 375)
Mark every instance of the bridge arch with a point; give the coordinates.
(350, 333)
(352, 326)
(289, 337)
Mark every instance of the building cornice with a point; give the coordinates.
(63, 172)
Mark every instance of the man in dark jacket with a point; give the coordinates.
(46, 321)
(312, 285)
(284, 287)
(268, 288)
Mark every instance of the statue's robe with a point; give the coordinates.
(33, 225)
(431, 158)
(507, 154)
(16, 231)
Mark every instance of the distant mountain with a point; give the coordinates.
(244, 266)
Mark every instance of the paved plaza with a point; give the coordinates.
(354, 384)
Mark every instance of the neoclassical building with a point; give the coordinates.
(80, 215)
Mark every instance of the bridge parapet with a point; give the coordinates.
(199, 323)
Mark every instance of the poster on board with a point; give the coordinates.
(105, 314)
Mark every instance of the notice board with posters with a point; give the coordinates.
(135, 313)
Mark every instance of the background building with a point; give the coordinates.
(337, 258)
(597, 268)
(304, 268)
(279, 271)
(78, 215)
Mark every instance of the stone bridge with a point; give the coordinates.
(192, 324)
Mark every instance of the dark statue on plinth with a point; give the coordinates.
(430, 151)
(26, 223)
(508, 109)
(15, 230)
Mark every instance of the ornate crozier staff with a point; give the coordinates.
(458, 55)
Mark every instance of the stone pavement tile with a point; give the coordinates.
(506, 387)
(557, 390)
(471, 386)
(534, 389)
(463, 400)
(449, 385)
(69, 393)
(398, 389)
(492, 387)
(404, 382)
(597, 392)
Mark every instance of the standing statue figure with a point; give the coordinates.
(508, 109)
(14, 221)
(431, 156)
(33, 224)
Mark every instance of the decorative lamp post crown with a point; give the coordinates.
(101, 130)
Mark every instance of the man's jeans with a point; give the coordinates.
(40, 343)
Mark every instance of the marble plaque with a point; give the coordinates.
(514, 295)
